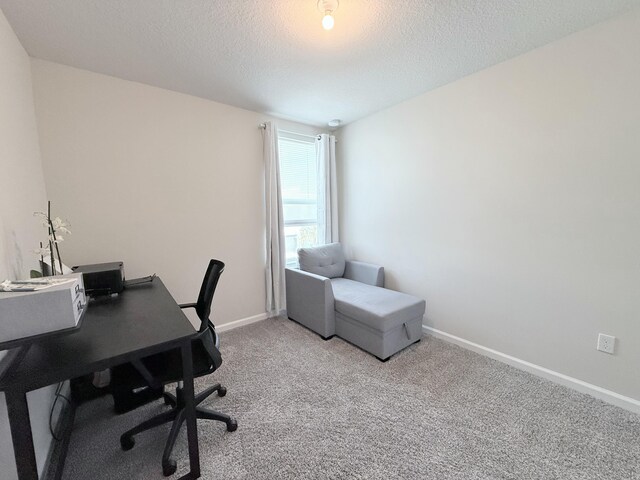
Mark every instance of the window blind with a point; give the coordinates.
(299, 182)
(298, 178)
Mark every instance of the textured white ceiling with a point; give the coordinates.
(273, 56)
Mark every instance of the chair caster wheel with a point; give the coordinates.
(169, 468)
(232, 425)
(127, 443)
(222, 392)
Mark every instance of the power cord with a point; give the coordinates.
(57, 395)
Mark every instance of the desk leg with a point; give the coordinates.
(18, 413)
(190, 411)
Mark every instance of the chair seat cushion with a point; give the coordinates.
(165, 367)
(380, 308)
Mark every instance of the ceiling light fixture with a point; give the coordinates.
(328, 7)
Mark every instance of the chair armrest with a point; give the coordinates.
(209, 326)
(187, 305)
(310, 301)
(364, 273)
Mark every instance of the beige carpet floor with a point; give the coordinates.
(310, 409)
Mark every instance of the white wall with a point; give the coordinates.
(510, 201)
(160, 180)
(22, 192)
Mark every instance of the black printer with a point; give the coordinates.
(102, 278)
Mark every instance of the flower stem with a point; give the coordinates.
(42, 261)
(56, 244)
(53, 261)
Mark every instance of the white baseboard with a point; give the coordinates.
(608, 396)
(240, 323)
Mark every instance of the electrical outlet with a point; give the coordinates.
(606, 343)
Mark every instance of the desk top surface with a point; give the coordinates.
(142, 320)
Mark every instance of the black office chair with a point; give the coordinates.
(164, 368)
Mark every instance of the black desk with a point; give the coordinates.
(141, 321)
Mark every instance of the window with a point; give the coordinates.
(298, 179)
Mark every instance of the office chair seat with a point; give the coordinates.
(164, 368)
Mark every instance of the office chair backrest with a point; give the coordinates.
(208, 288)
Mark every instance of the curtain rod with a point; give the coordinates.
(264, 125)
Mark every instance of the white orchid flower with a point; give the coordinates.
(56, 227)
(42, 252)
(43, 216)
(60, 225)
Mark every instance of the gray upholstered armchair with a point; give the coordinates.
(331, 295)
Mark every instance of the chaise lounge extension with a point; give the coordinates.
(334, 296)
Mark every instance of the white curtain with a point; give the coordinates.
(275, 301)
(327, 189)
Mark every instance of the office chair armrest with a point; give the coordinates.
(187, 305)
(210, 324)
(216, 337)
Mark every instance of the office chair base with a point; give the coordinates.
(204, 414)
(169, 468)
(127, 443)
(169, 399)
(177, 416)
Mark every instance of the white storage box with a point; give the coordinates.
(59, 307)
